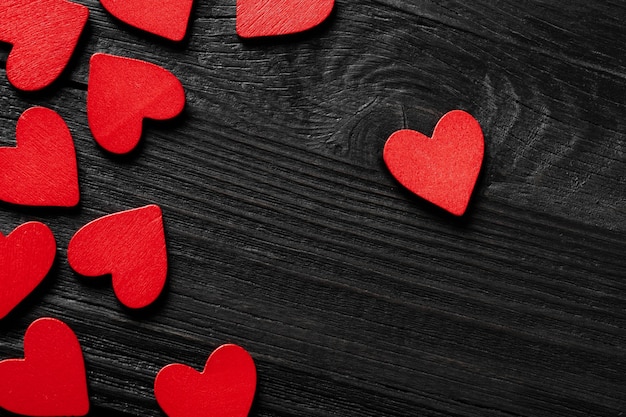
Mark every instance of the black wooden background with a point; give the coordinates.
(287, 235)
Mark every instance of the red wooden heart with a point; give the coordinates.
(166, 18)
(51, 379)
(130, 246)
(224, 389)
(444, 169)
(41, 170)
(44, 34)
(26, 256)
(256, 18)
(122, 92)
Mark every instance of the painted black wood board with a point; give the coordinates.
(287, 235)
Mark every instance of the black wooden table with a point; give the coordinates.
(288, 236)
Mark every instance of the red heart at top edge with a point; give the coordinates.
(130, 246)
(41, 170)
(442, 169)
(26, 256)
(44, 34)
(225, 388)
(257, 18)
(51, 379)
(122, 92)
(166, 18)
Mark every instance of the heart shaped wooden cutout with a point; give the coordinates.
(41, 170)
(122, 92)
(51, 379)
(258, 18)
(26, 256)
(129, 246)
(44, 34)
(166, 18)
(442, 169)
(225, 388)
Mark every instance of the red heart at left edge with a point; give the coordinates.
(26, 256)
(258, 18)
(122, 92)
(224, 389)
(44, 34)
(51, 379)
(129, 246)
(41, 170)
(166, 18)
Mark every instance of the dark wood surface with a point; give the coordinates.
(287, 235)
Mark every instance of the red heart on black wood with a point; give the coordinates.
(41, 170)
(257, 18)
(122, 92)
(225, 388)
(442, 169)
(26, 256)
(44, 34)
(166, 18)
(130, 246)
(51, 379)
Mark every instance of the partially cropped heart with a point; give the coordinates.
(442, 169)
(257, 18)
(166, 18)
(26, 256)
(44, 34)
(224, 389)
(41, 170)
(129, 246)
(51, 379)
(122, 92)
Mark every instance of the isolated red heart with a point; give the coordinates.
(26, 256)
(256, 18)
(444, 169)
(130, 246)
(122, 92)
(44, 34)
(51, 379)
(166, 18)
(224, 389)
(41, 170)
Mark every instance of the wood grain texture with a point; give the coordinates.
(287, 235)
